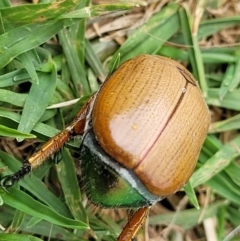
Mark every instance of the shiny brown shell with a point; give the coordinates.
(150, 116)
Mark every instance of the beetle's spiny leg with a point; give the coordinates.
(54, 145)
(47, 150)
(10, 180)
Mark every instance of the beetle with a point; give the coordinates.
(142, 133)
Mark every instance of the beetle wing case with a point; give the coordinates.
(150, 116)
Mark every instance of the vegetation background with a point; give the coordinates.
(53, 52)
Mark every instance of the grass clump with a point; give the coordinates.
(53, 52)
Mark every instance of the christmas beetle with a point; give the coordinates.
(141, 136)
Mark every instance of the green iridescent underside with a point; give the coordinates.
(108, 184)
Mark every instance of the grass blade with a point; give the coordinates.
(37, 101)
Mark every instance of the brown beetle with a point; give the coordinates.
(151, 117)
(143, 131)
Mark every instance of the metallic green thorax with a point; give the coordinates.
(107, 183)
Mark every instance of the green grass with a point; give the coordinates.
(45, 45)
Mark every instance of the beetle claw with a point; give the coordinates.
(8, 181)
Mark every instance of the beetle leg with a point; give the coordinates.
(77, 127)
(134, 224)
(9, 180)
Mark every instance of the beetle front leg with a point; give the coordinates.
(10, 180)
